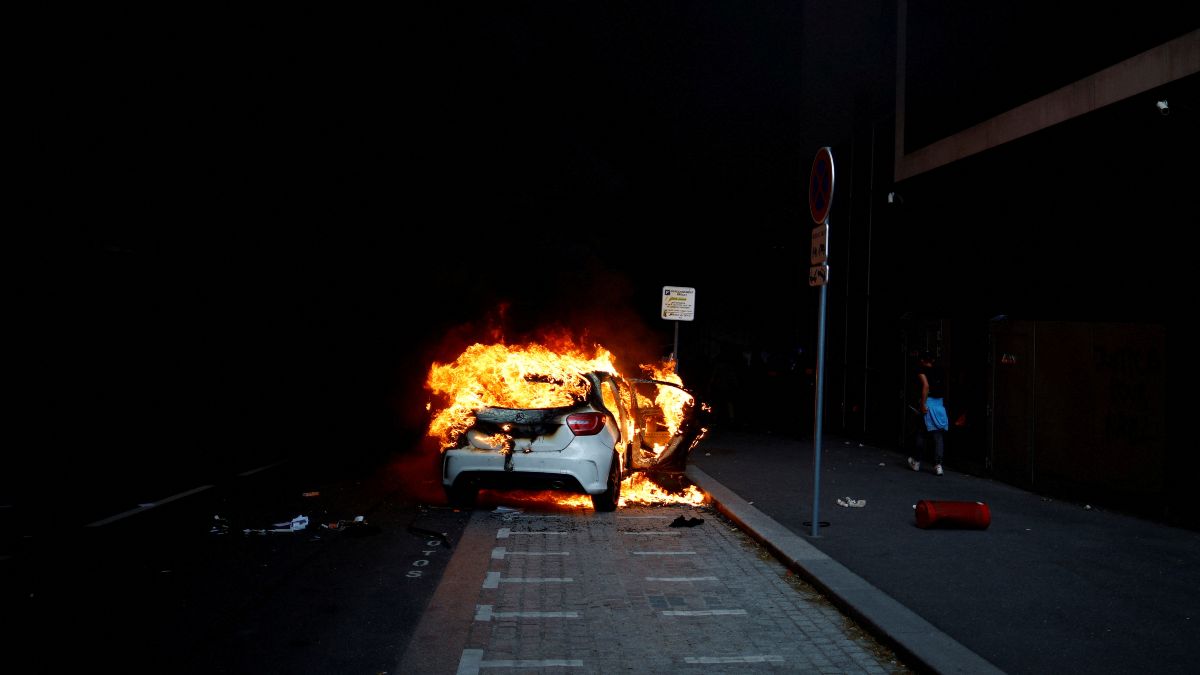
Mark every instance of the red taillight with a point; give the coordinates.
(585, 424)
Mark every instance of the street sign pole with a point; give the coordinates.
(675, 350)
(820, 198)
(818, 412)
(678, 304)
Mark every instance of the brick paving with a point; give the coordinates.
(591, 592)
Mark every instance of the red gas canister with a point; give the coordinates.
(970, 515)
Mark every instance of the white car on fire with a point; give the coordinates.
(611, 430)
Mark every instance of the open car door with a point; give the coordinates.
(655, 448)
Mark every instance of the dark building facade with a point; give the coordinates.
(1014, 195)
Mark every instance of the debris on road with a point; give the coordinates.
(968, 515)
(683, 521)
(220, 525)
(422, 532)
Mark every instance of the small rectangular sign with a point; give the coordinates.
(820, 244)
(818, 275)
(678, 303)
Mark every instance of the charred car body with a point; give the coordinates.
(609, 432)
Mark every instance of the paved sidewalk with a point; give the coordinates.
(1049, 587)
(539, 591)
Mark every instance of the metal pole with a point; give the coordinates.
(675, 350)
(818, 412)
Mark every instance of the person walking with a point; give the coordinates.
(931, 389)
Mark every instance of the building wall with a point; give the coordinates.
(1036, 189)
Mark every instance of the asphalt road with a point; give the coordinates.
(180, 587)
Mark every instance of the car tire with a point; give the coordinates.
(607, 501)
(462, 495)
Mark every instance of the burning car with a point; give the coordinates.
(570, 425)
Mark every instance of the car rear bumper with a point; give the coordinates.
(534, 470)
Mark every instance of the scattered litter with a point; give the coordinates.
(1087, 507)
(683, 521)
(220, 526)
(851, 502)
(507, 509)
(883, 464)
(708, 454)
(357, 526)
(314, 493)
(341, 524)
(860, 445)
(294, 525)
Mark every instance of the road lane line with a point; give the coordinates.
(494, 580)
(763, 658)
(681, 579)
(532, 663)
(264, 467)
(499, 552)
(472, 661)
(146, 507)
(663, 552)
(469, 663)
(505, 533)
(485, 613)
(705, 612)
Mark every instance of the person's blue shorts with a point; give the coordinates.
(936, 418)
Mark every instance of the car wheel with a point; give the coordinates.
(462, 495)
(607, 501)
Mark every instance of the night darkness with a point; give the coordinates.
(255, 231)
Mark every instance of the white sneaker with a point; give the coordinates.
(937, 469)
(914, 464)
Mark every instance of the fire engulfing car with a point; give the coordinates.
(612, 428)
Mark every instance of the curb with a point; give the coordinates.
(920, 644)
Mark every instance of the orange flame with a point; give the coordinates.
(536, 375)
(517, 376)
(637, 489)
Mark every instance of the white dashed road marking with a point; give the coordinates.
(765, 658)
(494, 580)
(499, 552)
(505, 533)
(485, 613)
(472, 662)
